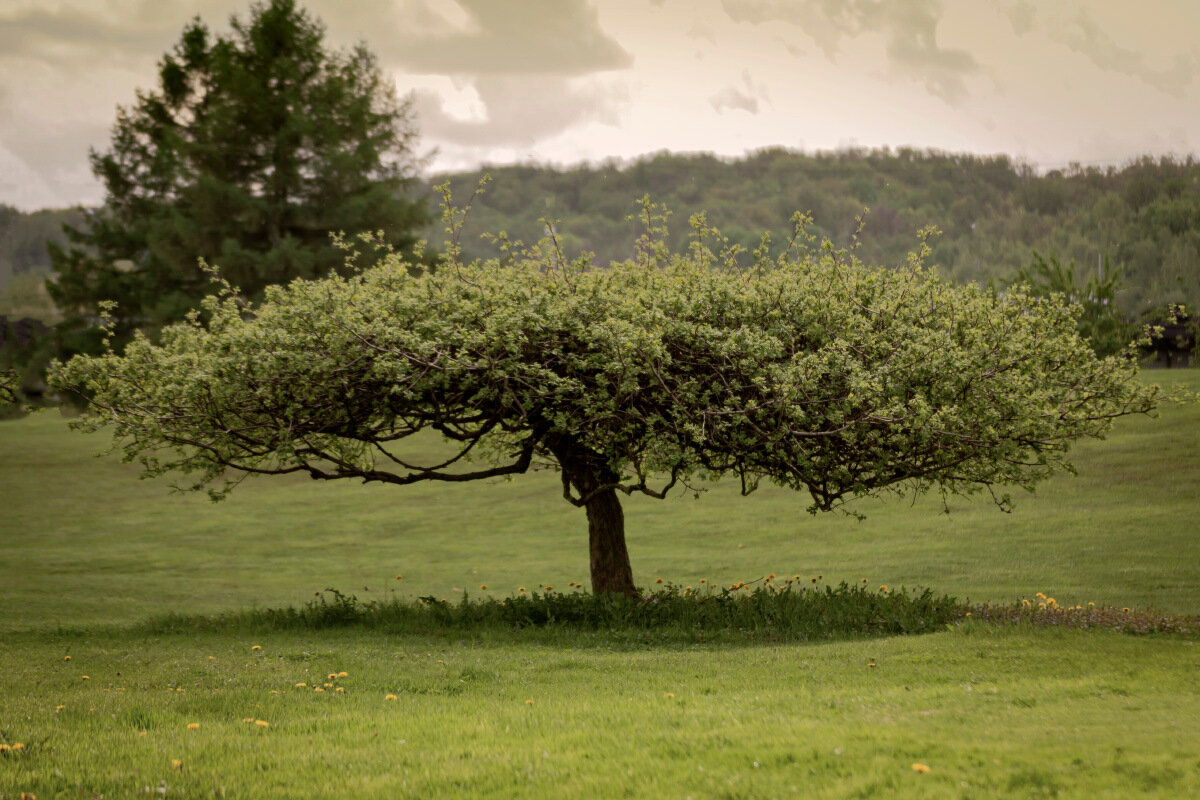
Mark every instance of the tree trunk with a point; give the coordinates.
(606, 521)
(606, 545)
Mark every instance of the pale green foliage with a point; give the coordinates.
(9, 381)
(807, 368)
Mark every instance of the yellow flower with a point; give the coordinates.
(343, 674)
(301, 685)
(274, 691)
(143, 733)
(176, 763)
(84, 677)
(521, 589)
(1091, 604)
(1126, 608)
(771, 577)
(1040, 596)
(549, 588)
(1025, 602)
(870, 663)
(529, 702)
(248, 719)
(814, 580)
(333, 676)
(483, 587)
(59, 708)
(328, 685)
(256, 647)
(883, 588)
(658, 580)
(66, 658)
(921, 768)
(318, 689)
(968, 613)
(193, 726)
(340, 689)
(4, 748)
(389, 697)
(704, 580)
(399, 577)
(864, 579)
(262, 723)
(669, 695)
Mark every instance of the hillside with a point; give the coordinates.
(992, 211)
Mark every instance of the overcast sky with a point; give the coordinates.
(563, 81)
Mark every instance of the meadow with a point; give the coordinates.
(88, 553)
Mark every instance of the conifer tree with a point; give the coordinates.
(255, 146)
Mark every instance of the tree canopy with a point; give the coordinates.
(808, 369)
(253, 148)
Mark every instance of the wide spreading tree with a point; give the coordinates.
(255, 146)
(805, 368)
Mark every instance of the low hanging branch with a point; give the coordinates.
(808, 369)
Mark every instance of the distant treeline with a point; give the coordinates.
(1143, 218)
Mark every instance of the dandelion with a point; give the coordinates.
(883, 588)
(1126, 609)
(4, 748)
(1050, 601)
(333, 676)
(343, 674)
(521, 589)
(340, 689)
(328, 685)
(66, 658)
(1091, 604)
(921, 768)
(658, 580)
(814, 580)
(248, 720)
(84, 678)
(274, 691)
(143, 733)
(1024, 602)
(59, 708)
(176, 763)
(256, 647)
(704, 580)
(212, 658)
(193, 726)
(870, 663)
(389, 697)
(529, 702)
(399, 577)
(968, 613)
(864, 580)
(301, 685)
(483, 587)
(549, 588)
(1040, 596)
(318, 689)
(771, 577)
(669, 695)
(262, 723)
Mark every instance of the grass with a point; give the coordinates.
(150, 594)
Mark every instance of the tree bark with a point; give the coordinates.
(609, 558)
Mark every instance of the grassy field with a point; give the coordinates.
(86, 551)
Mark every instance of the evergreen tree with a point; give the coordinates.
(254, 148)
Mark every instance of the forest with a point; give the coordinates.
(994, 213)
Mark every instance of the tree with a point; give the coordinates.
(807, 369)
(254, 147)
(1099, 320)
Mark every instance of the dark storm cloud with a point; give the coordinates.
(908, 26)
(535, 37)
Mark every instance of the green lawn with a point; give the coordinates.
(87, 550)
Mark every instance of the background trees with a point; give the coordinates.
(251, 150)
(810, 370)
